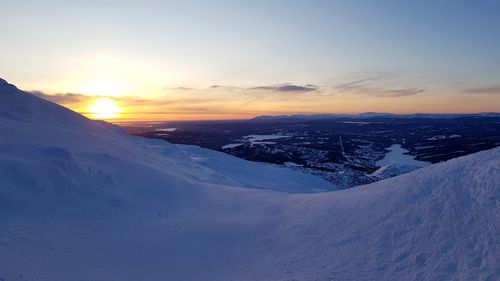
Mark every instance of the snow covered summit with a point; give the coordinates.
(82, 200)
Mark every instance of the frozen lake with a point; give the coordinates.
(397, 156)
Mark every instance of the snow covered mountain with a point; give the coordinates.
(82, 200)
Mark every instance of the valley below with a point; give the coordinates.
(343, 150)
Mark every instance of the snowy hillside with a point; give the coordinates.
(81, 200)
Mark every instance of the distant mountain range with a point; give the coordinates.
(375, 114)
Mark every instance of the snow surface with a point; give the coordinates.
(231, 145)
(357, 122)
(440, 137)
(166, 130)
(397, 155)
(260, 139)
(397, 162)
(255, 140)
(82, 200)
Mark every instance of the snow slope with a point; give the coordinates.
(81, 200)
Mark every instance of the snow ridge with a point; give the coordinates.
(81, 200)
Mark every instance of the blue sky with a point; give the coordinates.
(445, 48)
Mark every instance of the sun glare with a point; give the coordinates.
(104, 108)
(103, 86)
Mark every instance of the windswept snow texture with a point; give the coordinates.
(81, 200)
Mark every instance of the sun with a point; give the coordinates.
(104, 108)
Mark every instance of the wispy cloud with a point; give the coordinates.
(227, 99)
(398, 93)
(287, 88)
(355, 84)
(65, 98)
(495, 89)
(381, 85)
(178, 101)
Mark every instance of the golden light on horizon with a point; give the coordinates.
(104, 108)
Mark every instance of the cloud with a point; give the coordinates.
(376, 86)
(224, 99)
(61, 98)
(399, 93)
(389, 93)
(495, 89)
(355, 84)
(287, 88)
(180, 89)
(68, 98)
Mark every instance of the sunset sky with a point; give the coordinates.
(171, 60)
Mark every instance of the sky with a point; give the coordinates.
(179, 60)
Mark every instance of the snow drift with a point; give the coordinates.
(81, 200)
